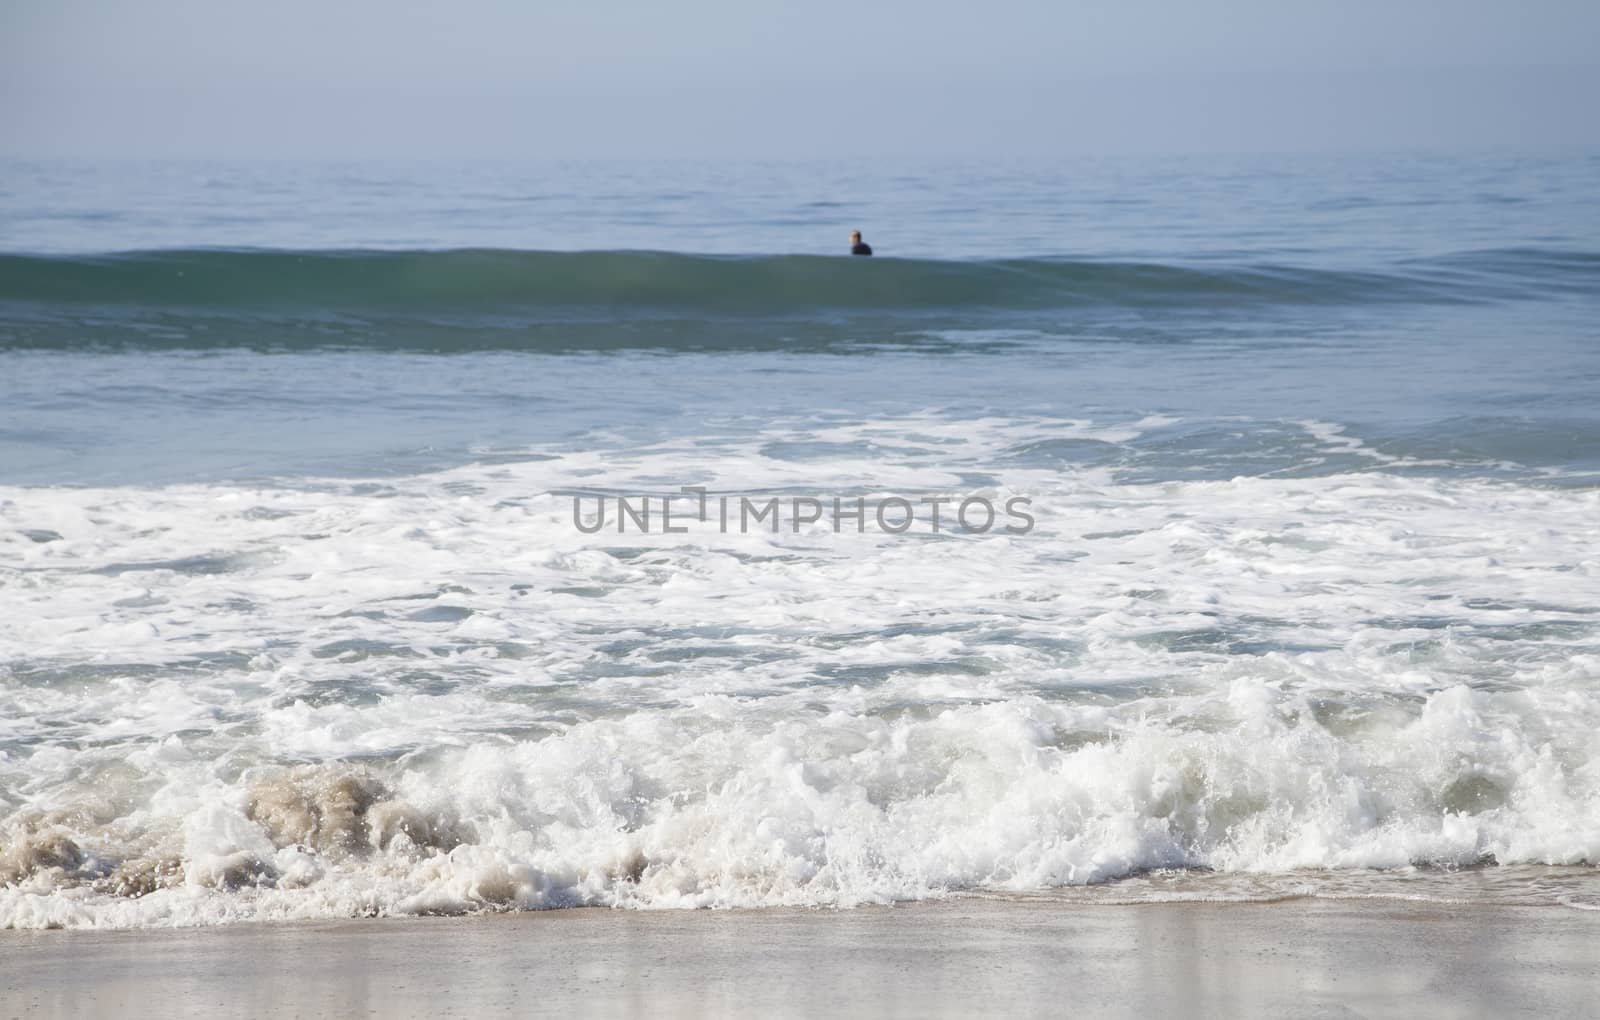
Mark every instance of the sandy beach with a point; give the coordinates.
(969, 957)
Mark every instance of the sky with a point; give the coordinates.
(745, 78)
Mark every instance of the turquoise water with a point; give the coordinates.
(300, 624)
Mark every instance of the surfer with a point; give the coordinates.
(857, 245)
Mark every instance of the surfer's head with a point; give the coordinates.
(855, 237)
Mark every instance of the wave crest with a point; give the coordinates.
(164, 298)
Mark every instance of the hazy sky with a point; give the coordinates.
(741, 77)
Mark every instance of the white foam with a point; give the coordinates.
(1267, 677)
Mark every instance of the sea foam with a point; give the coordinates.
(335, 697)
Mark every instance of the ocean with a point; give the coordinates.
(442, 537)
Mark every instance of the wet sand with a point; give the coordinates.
(969, 957)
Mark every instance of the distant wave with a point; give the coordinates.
(161, 297)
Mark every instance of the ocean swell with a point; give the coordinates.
(215, 297)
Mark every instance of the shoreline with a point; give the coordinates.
(960, 957)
